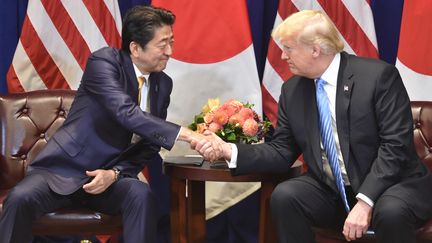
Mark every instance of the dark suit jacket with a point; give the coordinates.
(374, 124)
(104, 115)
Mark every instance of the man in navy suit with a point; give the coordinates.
(386, 184)
(90, 161)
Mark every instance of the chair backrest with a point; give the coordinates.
(422, 117)
(28, 120)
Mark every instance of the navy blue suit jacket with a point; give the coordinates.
(104, 115)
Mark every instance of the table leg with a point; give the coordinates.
(267, 232)
(196, 212)
(178, 211)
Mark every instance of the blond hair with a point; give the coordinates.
(310, 27)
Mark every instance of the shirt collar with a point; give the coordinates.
(139, 74)
(330, 75)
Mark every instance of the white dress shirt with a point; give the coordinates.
(145, 102)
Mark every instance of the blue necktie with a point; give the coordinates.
(326, 131)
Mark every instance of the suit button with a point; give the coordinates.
(42, 135)
(61, 113)
(25, 110)
(23, 157)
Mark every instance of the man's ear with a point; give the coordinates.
(133, 48)
(316, 50)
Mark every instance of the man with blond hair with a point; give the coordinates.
(351, 119)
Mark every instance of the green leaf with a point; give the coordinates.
(231, 137)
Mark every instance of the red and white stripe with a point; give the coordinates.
(56, 39)
(353, 19)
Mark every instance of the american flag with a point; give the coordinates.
(56, 39)
(353, 19)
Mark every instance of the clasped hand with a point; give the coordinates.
(211, 147)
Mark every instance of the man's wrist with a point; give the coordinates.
(116, 173)
(366, 199)
(185, 134)
(227, 151)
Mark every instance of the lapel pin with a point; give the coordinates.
(346, 88)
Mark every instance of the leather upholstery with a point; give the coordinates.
(422, 122)
(28, 121)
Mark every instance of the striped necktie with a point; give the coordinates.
(327, 138)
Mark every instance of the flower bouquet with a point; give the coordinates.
(232, 121)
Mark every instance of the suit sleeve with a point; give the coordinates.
(394, 120)
(275, 156)
(102, 80)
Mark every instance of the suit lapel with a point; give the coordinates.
(131, 79)
(154, 94)
(311, 119)
(345, 85)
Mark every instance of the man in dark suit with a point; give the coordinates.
(90, 160)
(385, 185)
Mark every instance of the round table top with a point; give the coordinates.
(206, 173)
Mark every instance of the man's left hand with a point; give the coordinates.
(358, 221)
(102, 179)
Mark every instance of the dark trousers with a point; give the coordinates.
(32, 198)
(302, 202)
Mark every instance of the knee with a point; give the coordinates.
(139, 193)
(19, 196)
(282, 198)
(390, 212)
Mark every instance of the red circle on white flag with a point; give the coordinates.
(208, 31)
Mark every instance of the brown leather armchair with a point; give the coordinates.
(28, 121)
(422, 116)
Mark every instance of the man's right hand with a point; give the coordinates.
(212, 150)
(102, 179)
(215, 148)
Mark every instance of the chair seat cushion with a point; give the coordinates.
(74, 221)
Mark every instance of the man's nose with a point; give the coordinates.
(284, 56)
(169, 50)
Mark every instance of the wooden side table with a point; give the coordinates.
(188, 223)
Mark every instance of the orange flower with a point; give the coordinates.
(236, 119)
(236, 104)
(214, 127)
(246, 113)
(228, 109)
(220, 117)
(250, 127)
(201, 127)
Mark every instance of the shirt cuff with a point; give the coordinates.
(178, 134)
(232, 164)
(365, 199)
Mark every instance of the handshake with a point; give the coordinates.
(208, 144)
